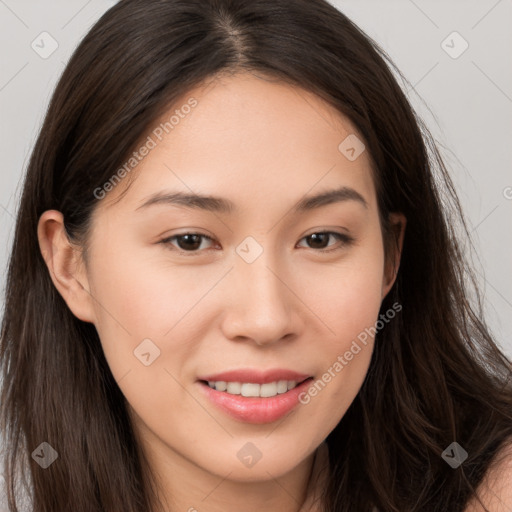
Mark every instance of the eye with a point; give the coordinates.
(188, 242)
(318, 239)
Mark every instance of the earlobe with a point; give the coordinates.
(65, 265)
(397, 222)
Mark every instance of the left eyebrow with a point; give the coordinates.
(329, 197)
(223, 205)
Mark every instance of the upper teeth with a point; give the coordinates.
(250, 389)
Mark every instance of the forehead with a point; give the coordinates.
(249, 137)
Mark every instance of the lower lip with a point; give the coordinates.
(256, 409)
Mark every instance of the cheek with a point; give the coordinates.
(346, 295)
(139, 299)
(348, 304)
(145, 311)
(140, 290)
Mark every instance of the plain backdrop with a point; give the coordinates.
(455, 54)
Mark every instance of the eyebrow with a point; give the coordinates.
(222, 205)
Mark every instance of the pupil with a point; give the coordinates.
(316, 236)
(195, 239)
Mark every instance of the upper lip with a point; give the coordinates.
(256, 376)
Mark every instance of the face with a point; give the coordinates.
(263, 291)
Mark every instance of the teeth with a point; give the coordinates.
(234, 388)
(269, 389)
(220, 385)
(282, 386)
(250, 389)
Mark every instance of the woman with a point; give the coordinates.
(233, 284)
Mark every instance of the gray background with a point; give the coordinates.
(469, 101)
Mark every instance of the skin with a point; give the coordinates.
(263, 145)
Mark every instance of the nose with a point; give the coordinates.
(261, 305)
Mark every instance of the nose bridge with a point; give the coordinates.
(262, 305)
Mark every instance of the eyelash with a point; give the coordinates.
(342, 237)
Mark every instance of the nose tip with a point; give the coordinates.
(262, 307)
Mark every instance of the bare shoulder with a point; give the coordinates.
(495, 491)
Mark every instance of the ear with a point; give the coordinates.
(397, 223)
(65, 264)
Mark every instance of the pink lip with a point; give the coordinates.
(256, 376)
(255, 409)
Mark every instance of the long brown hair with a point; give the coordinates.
(436, 375)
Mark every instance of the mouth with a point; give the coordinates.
(255, 397)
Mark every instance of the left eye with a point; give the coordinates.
(322, 236)
(188, 242)
(191, 242)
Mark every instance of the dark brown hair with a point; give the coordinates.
(436, 375)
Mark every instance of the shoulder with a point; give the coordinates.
(495, 491)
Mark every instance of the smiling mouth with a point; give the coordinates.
(251, 389)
